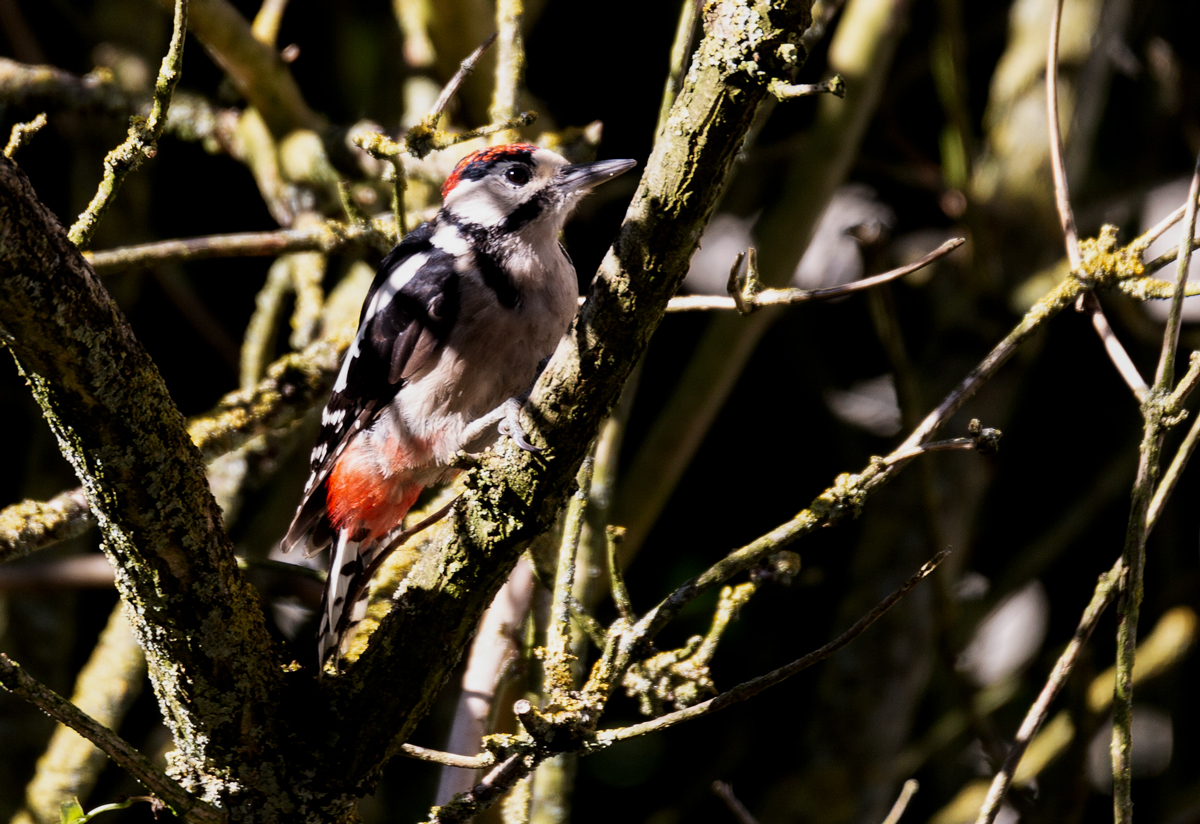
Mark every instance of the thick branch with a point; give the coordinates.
(512, 497)
(210, 655)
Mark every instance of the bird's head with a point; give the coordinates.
(509, 187)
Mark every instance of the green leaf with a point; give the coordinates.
(71, 812)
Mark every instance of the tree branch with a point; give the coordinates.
(254, 67)
(512, 497)
(1102, 596)
(142, 141)
(14, 679)
(756, 685)
(210, 656)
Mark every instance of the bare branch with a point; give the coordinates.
(754, 686)
(14, 679)
(1172, 474)
(1061, 197)
(906, 793)
(558, 641)
(22, 133)
(464, 71)
(448, 759)
(1051, 304)
(835, 86)
(510, 64)
(117, 425)
(327, 237)
(255, 68)
(32, 525)
(725, 792)
(142, 141)
(105, 689)
(1106, 588)
(52, 88)
(1165, 375)
(745, 302)
(1112, 346)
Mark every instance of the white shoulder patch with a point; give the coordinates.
(401, 275)
(450, 240)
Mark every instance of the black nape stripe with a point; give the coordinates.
(487, 258)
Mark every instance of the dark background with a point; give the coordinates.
(798, 752)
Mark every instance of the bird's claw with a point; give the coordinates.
(510, 426)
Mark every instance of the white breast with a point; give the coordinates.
(494, 351)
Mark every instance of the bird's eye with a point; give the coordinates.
(517, 175)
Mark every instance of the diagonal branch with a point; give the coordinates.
(210, 654)
(1102, 596)
(756, 685)
(255, 68)
(512, 497)
(142, 141)
(20, 683)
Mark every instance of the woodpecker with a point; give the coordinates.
(458, 322)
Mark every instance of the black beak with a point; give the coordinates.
(582, 177)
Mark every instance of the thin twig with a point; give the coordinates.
(14, 679)
(906, 793)
(464, 71)
(1112, 345)
(105, 688)
(1053, 303)
(1158, 417)
(725, 792)
(986, 441)
(1170, 256)
(142, 141)
(757, 685)
(327, 237)
(558, 658)
(1165, 375)
(681, 49)
(744, 303)
(1101, 597)
(835, 86)
(448, 759)
(1061, 196)
(22, 133)
(1171, 476)
(620, 593)
(1159, 229)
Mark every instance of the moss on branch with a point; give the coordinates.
(209, 653)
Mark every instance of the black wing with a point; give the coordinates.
(390, 346)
